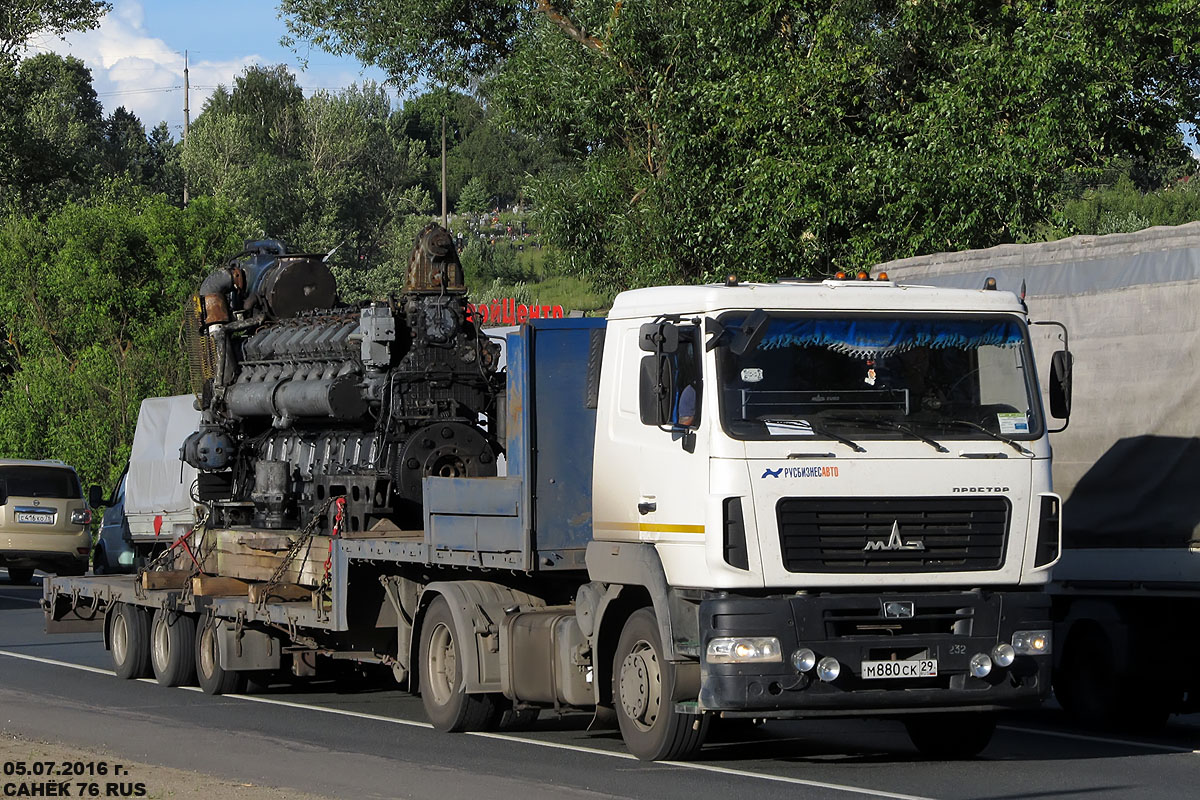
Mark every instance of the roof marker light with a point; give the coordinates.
(731, 280)
(881, 276)
(862, 275)
(989, 284)
(839, 275)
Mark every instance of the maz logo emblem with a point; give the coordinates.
(894, 542)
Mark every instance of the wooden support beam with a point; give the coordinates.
(279, 593)
(166, 579)
(214, 586)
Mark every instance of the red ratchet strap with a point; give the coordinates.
(339, 506)
(182, 541)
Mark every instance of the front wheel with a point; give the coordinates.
(443, 689)
(643, 685)
(129, 641)
(951, 737)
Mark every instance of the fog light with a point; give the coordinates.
(804, 659)
(1031, 643)
(828, 669)
(1003, 655)
(732, 650)
(981, 665)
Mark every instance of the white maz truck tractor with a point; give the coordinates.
(742, 500)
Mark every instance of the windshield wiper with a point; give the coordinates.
(884, 424)
(809, 425)
(966, 423)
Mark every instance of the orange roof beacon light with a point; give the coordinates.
(731, 280)
(839, 276)
(881, 276)
(862, 275)
(989, 284)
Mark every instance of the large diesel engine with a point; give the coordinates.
(305, 399)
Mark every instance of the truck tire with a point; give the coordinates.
(950, 737)
(173, 647)
(20, 575)
(643, 682)
(1089, 687)
(443, 692)
(129, 641)
(213, 679)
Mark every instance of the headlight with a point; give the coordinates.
(1031, 643)
(737, 650)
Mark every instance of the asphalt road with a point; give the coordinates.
(373, 742)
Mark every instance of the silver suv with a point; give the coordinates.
(44, 520)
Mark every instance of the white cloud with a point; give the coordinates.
(132, 68)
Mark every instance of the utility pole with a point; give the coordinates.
(445, 220)
(186, 120)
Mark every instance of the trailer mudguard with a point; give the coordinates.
(477, 607)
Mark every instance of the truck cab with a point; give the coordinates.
(858, 515)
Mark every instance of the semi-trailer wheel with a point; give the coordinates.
(443, 690)
(129, 641)
(20, 575)
(173, 647)
(643, 683)
(950, 736)
(209, 673)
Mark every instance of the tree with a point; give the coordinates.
(22, 20)
(330, 171)
(473, 198)
(92, 299)
(51, 132)
(790, 136)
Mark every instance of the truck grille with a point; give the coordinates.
(893, 534)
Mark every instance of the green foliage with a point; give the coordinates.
(92, 300)
(474, 197)
(22, 20)
(793, 137)
(1123, 208)
(484, 261)
(325, 172)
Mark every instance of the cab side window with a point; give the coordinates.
(688, 383)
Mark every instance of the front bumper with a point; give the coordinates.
(950, 627)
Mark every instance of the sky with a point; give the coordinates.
(137, 54)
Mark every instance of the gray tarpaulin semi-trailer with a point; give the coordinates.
(1127, 589)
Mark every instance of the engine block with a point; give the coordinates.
(306, 399)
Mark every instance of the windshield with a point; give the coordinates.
(880, 376)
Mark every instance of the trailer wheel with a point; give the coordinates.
(950, 736)
(209, 673)
(129, 641)
(1089, 687)
(643, 682)
(443, 694)
(173, 647)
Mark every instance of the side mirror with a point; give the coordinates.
(658, 337)
(656, 390)
(96, 496)
(3, 491)
(1060, 384)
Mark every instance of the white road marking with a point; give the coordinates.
(20, 599)
(1105, 740)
